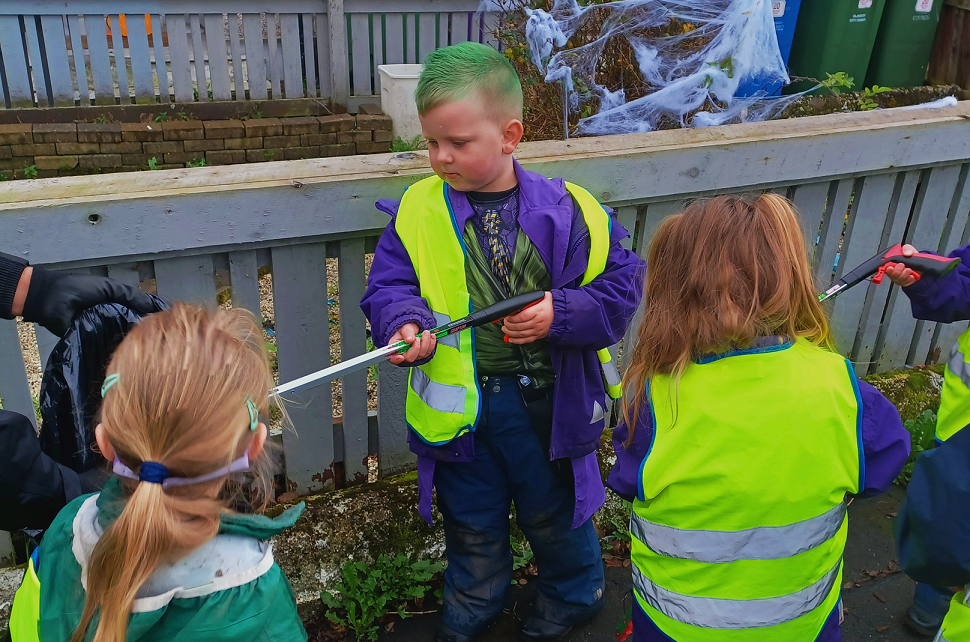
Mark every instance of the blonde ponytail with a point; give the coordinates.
(184, 378)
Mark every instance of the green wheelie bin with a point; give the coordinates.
(904, 43)
(834, 36)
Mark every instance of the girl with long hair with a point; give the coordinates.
(161, 553)
(743, 433)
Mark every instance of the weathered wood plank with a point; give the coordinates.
(339, 71)
(290, 49)
(99, 59)
(198, 52)
(933, 211)
(274, 64)
(215, 44)
(127, 273)
(119, 67)
(244, 277)
(627, 217)
(863, 234)
(302, 328)
(14, 390)
(37, 63)
(425, 41)
(238, 53)
(255, 58)
(353, 341)
(15, 63)
(190, 279)
(460, 28)
(359, 40)
(394, 38)
(377, 38)
(141, 60)
(393, 454)
(830, 234)
(869, 339)
(323, 55)
(178, 51)
(810, 202)
(309, 55)
(165, 90)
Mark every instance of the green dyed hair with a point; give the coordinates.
(453, 73)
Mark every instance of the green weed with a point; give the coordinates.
(153, 163)
(196, 162)
(922, 431)
(837, 82)
(401, 145)
(368, 593)
(161, 118)
(30, 171)
(866, 102)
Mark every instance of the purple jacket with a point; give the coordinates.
(946, 299)
(585, 319)
(885, 444)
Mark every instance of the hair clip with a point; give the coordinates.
(253, 414)
(109, 381)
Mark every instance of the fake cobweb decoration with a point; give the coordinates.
(692, 56)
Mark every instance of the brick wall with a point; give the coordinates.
(65, 149)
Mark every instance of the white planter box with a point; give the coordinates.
(398, 83)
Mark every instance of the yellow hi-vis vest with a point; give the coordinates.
(740, 524)
(25, 613)
(956, 624)
(955, 396)
(443, 398)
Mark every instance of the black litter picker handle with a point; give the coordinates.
(492, 313)
(921, 263)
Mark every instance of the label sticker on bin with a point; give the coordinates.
(778, 8)
(865, 4)
(924, 6)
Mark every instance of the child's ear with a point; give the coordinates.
(259, 440)
(514, 131)
(104, 446)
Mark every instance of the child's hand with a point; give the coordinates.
(531, 324)
(422, 344)
(899, 273)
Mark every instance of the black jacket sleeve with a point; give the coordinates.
(33, 487)
(933, 530)
(11, 268)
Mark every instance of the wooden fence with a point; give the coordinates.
(78, 52)
(950, 59)
(861, 181)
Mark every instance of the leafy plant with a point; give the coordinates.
(922, 431)
(256, 115)
(368, 593)
(102, 119)
(273, 358)
(866, 102)
(401, 145)
(521, 555)
(837, 82)
(196, 162)
(372, 370)
(4, 177)
(183, 116)
(152, 163)
(30, 171)
(270, 155)
(161, 118)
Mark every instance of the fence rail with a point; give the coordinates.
(78, 52)
(860, 180)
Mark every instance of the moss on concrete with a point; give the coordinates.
(911, 391)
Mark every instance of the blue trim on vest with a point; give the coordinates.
(35, 557)
(735, 353)
(858, 425)
(653, 438)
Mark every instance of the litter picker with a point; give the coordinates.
(490, 314)
(876, 268)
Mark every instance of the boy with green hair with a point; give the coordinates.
(514, 412)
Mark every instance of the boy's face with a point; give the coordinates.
(470, 150)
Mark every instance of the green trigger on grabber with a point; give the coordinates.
(253, 414)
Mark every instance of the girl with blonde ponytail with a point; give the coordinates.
(159, 554)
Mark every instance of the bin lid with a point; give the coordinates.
(400, 71)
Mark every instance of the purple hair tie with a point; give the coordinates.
(155, 473)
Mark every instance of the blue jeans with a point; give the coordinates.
(475, 499)
(934, 602)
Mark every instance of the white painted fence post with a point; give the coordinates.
(339, 69)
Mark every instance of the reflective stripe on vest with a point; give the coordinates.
(954, 412)
(740, 525)
(719, 547)
(25, 613)
(956, 624)
(443, 399)
(724, 613)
